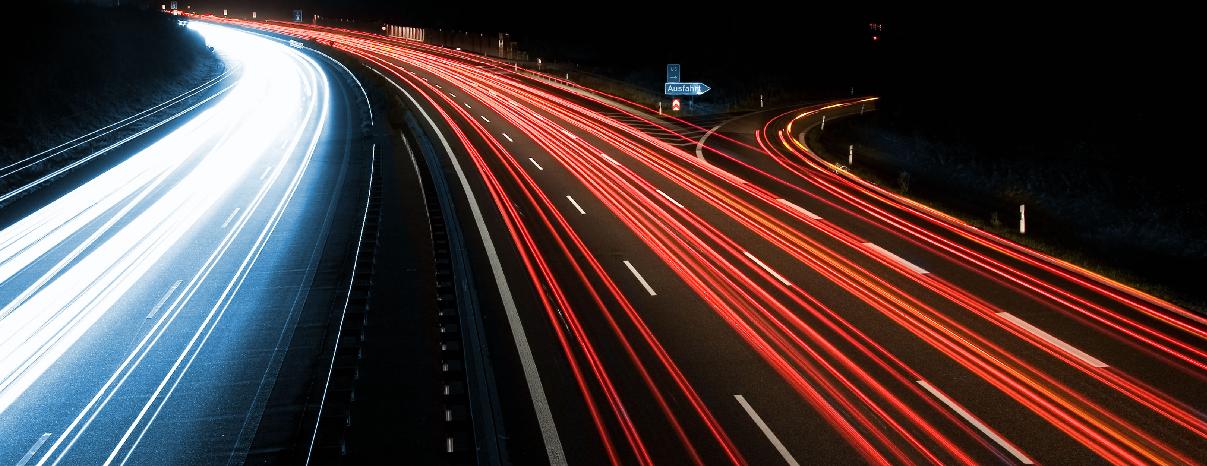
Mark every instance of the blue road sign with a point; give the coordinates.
(672, 73)
(685, 88)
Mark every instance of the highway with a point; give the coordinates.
(665, 299)
(147, 310)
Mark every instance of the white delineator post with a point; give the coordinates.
(760, 100)
(851, 155)
(1022, 218)
(823, 122)
(659, 107)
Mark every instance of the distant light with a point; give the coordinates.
(875, 38)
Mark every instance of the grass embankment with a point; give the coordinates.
(73, 68)
(1100, 198)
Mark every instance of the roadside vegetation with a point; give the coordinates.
(70, 69)
(1102, 191)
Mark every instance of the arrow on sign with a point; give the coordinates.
(685, 88)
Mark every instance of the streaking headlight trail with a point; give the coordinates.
(213, 188)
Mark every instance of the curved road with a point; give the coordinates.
(752, 306)
(147, 311)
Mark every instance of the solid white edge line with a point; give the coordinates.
(669, 198)
(959, 410)
(538, 166)
(339, 330)
(544, 416)
(768, 269)
(890, 255)
(775, 441)
(368, 104)
(576, 206)
(1079, 354)
(800, 209)
(640, 278)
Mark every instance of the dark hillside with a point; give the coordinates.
(70, 69)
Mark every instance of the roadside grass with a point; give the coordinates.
(1152, 240)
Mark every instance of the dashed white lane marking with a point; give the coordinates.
(508, 137)
(576, 206)
(538, 166)
(976, 422)
(466, 105)
(767, 269)
(800, 209)
(231, 216)
(610, 159)
(484, 118)
(164, 299)
(266, 171)
(34, 449)
(886, 253)
(640, 278)
(669, 198)
(775, 441)
(1079, 354)
(450, 94)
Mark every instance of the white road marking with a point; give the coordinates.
(886, 253)
(669, 198)
(1051, 339)
(164, 299)
(641, 279)
(800, 209)
(538, 166)
(508, 137)
(484, 118)
(568, 133)
(976, 423)
(266, 172)
(34, 449)
(466, 105)
(576, 206)
(450, 94)
(536, 390)
(700, 144)
(775, 441)
(230, 217)
(610, 159)
(768, 269)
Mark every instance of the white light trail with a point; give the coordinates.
(66, 265)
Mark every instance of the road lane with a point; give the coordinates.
(766, 286)
(146, 309)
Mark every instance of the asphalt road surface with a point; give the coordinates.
(747, 302)
(146, 312)
(654, 291)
